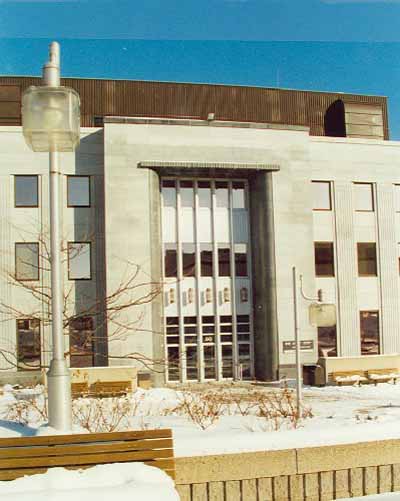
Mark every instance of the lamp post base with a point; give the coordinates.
(59, 396)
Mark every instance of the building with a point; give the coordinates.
(215, 192)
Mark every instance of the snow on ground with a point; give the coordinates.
(341, 415)
(391, 496)
(123, 481)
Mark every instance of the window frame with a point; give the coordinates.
(358, 261)
(333, 258)
(90, 260)
(379, 333)
(92, 330)
(320, 336)
(21, 365)
(166, 261)
(372, 196)
(24, 206)
(329, 183)
(16, 244)
(90, 190)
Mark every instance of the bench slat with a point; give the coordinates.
(168, 465)
(84, 438)
(65, 450)
(384, 372)
(88, 459)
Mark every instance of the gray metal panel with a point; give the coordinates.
(348, 331)
(388, 269)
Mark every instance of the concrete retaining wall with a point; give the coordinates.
(312, 474)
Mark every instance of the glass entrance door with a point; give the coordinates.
(207, 276)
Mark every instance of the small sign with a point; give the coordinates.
(322, 314)
(305, 345)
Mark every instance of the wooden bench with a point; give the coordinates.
(382, 375)
(348, 377)
(30, 455)
(79, 389)
(110, 388)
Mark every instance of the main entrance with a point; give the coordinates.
(207, 276)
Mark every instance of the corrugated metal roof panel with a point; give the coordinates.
(184, 100)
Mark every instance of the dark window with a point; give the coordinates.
(369, 332)
(224, 263)
(227, 361)
(363, 197)
(327, 343)
(173, 363)
(323, 252)
(206, 258)
(79, 261)
(209, 362)
(321, 195)
(225, 318)
(241, 264)
(191, 362)
(188, 260)
(334, 120)
(28, 343)
(81, 336)
(170, 263)
(168, 183)
(367, 259)
(190, 320)
(27, 261)
(78, 191)
(172, 320)
(26, 191)
(244, 360)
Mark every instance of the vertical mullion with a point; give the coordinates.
(218, 352)
(235, 354)
(200, 354)
(179, 285)
(166, 354)
(249, 273)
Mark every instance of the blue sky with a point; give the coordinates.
(329, 45)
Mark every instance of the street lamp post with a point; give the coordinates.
(51, 122)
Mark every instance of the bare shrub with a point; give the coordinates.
(280, 407)
(102, 414)
(241, 403)
(91, 414)
(203, 409)
(29, 411)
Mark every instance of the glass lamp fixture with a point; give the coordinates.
(51, 118)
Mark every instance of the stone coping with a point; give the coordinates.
(250, 465)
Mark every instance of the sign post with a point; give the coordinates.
(320, 315)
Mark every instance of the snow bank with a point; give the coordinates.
(341, 415)
(120, 482)
(390, 496)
